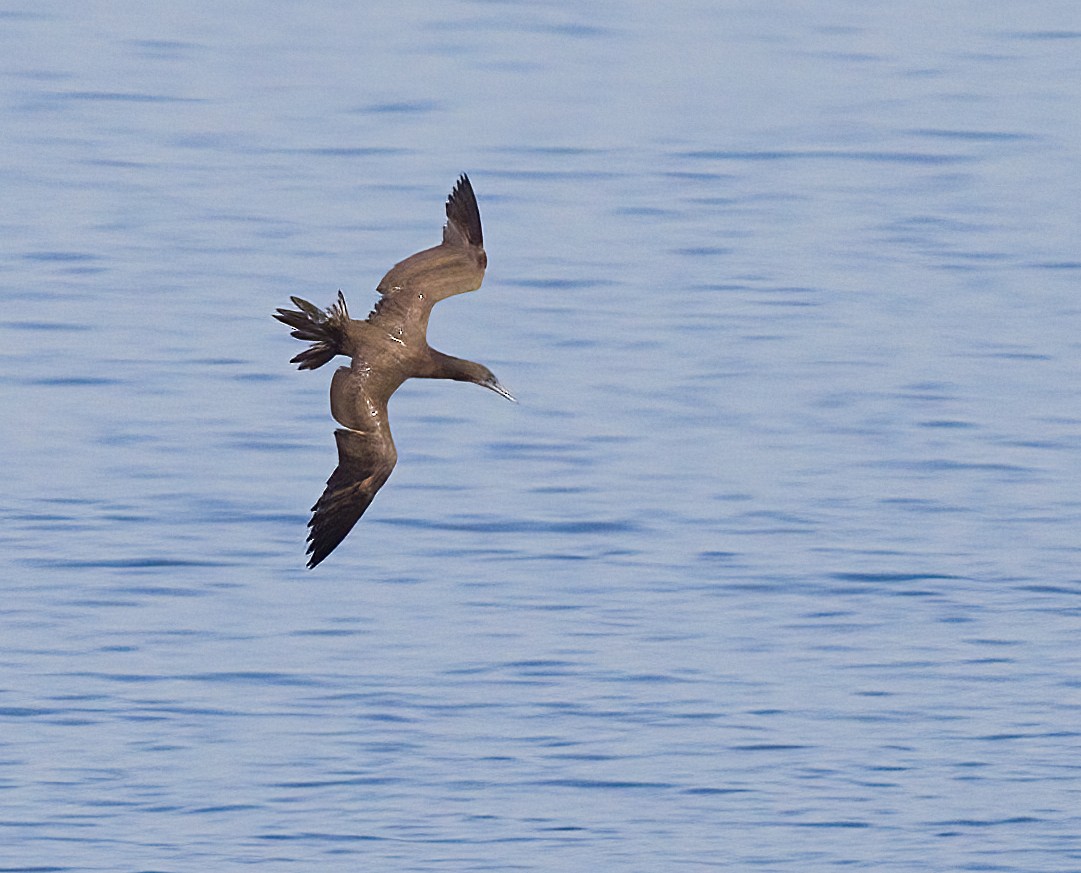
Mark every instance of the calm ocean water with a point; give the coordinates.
(776, 564)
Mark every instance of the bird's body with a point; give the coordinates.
(387, 348)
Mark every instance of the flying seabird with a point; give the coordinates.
(387, 348)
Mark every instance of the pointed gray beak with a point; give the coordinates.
(499, 389)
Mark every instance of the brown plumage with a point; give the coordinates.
(387, 348)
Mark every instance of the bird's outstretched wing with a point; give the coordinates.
(455, 266)
(365, 462)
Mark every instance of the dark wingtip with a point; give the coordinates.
(463, 213)
(320, 546)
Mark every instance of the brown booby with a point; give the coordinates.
(386, 348)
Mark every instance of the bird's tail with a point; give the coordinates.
(326, 330)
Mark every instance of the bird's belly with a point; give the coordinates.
(350, 404)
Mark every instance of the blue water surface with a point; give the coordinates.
(775, 566)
